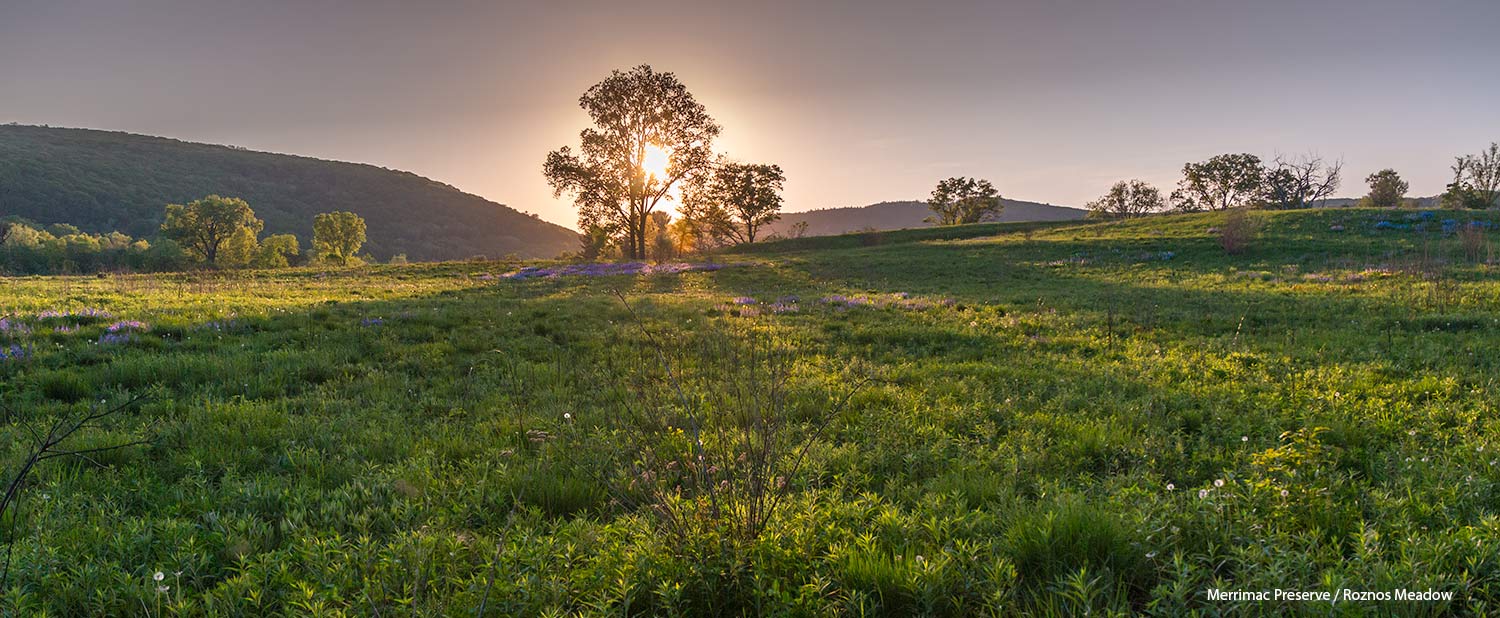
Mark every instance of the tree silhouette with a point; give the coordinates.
(608, 178)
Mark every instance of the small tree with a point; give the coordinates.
(1220, 183)
(1128, 198)
(337, 236)
(276, 251)
(649, 133)
(1476, 180)
(962, 200)
(734, 202)
(1300, 182)
(213, 227)
(1387, 189)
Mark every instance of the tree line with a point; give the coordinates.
(213, 232)
(1242, 180)
(620, 194)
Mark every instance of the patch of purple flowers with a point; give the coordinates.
(14, 353)
(601, 269)
(125, 326)
(371, 322)
(743, 300)
(116, 338)
(77, 315)
(10, 327)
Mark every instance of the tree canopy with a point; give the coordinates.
(1128, 198)
(337, 236)
(636, 114)
(961, 200)
(1387, 189)
(213, 228)
(734, 202)
(1224, 181)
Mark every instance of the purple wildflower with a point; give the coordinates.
(127, 326)
(368, 322)
(743, 300)
(14, 353)
(113, 338)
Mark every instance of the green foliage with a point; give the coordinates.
(1476, 180)
(214, 230)
(961, 201)
(1128, 198)
(277, 251)
(25, 249)
(337, 236)
(102, 181)
(732, 203)
(1103, 420)
(1220, 183)
(1387, 189)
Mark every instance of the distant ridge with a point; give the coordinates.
(907, 214)
(104, 180)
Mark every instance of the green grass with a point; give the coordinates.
(1037, 445)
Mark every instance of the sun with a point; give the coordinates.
(655, 162)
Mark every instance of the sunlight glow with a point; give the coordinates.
(655, 162)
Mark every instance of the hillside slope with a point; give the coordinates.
(102, 181)
(899, 215)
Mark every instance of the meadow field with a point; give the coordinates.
(1111, 418)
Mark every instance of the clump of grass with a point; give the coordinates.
(1475, 241)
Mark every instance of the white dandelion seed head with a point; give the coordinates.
(1202, 494)
(1218, 482)
(1285, 493)
(1171, 487)
(159, 576)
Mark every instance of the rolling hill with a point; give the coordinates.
(908, 214)
(102, 181)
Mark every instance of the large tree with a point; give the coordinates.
(962, 200)
(337, 236)
(1476, 180)
(1387, 189)
(638, 115)
(1222, 182)
(1300, 182)
(734, 202)
(213, 228)
(1128, 198)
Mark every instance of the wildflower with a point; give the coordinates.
(1218, 482)
(162, 589)
(1171, 487)
(567, 416)
(127, 326)
(921, 559)
(1244, 438)
(1202, 494)
(1150, 555)
(743, 300)
(159, 576)
(1285, 493)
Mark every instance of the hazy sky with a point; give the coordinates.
(859, 102)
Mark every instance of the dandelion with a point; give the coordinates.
(159, 576)
(162, 589)
(1285, 493)
(921, 559)
(1150, 555)
(1244, 438)
(567, 416)
(1218, 482)
(1171, 487)
(1202, 494)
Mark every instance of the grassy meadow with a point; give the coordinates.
(1003, 419)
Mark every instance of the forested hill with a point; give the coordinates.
(102, 181)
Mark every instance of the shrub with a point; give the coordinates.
(1237, 232)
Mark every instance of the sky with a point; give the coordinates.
(859, 102)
